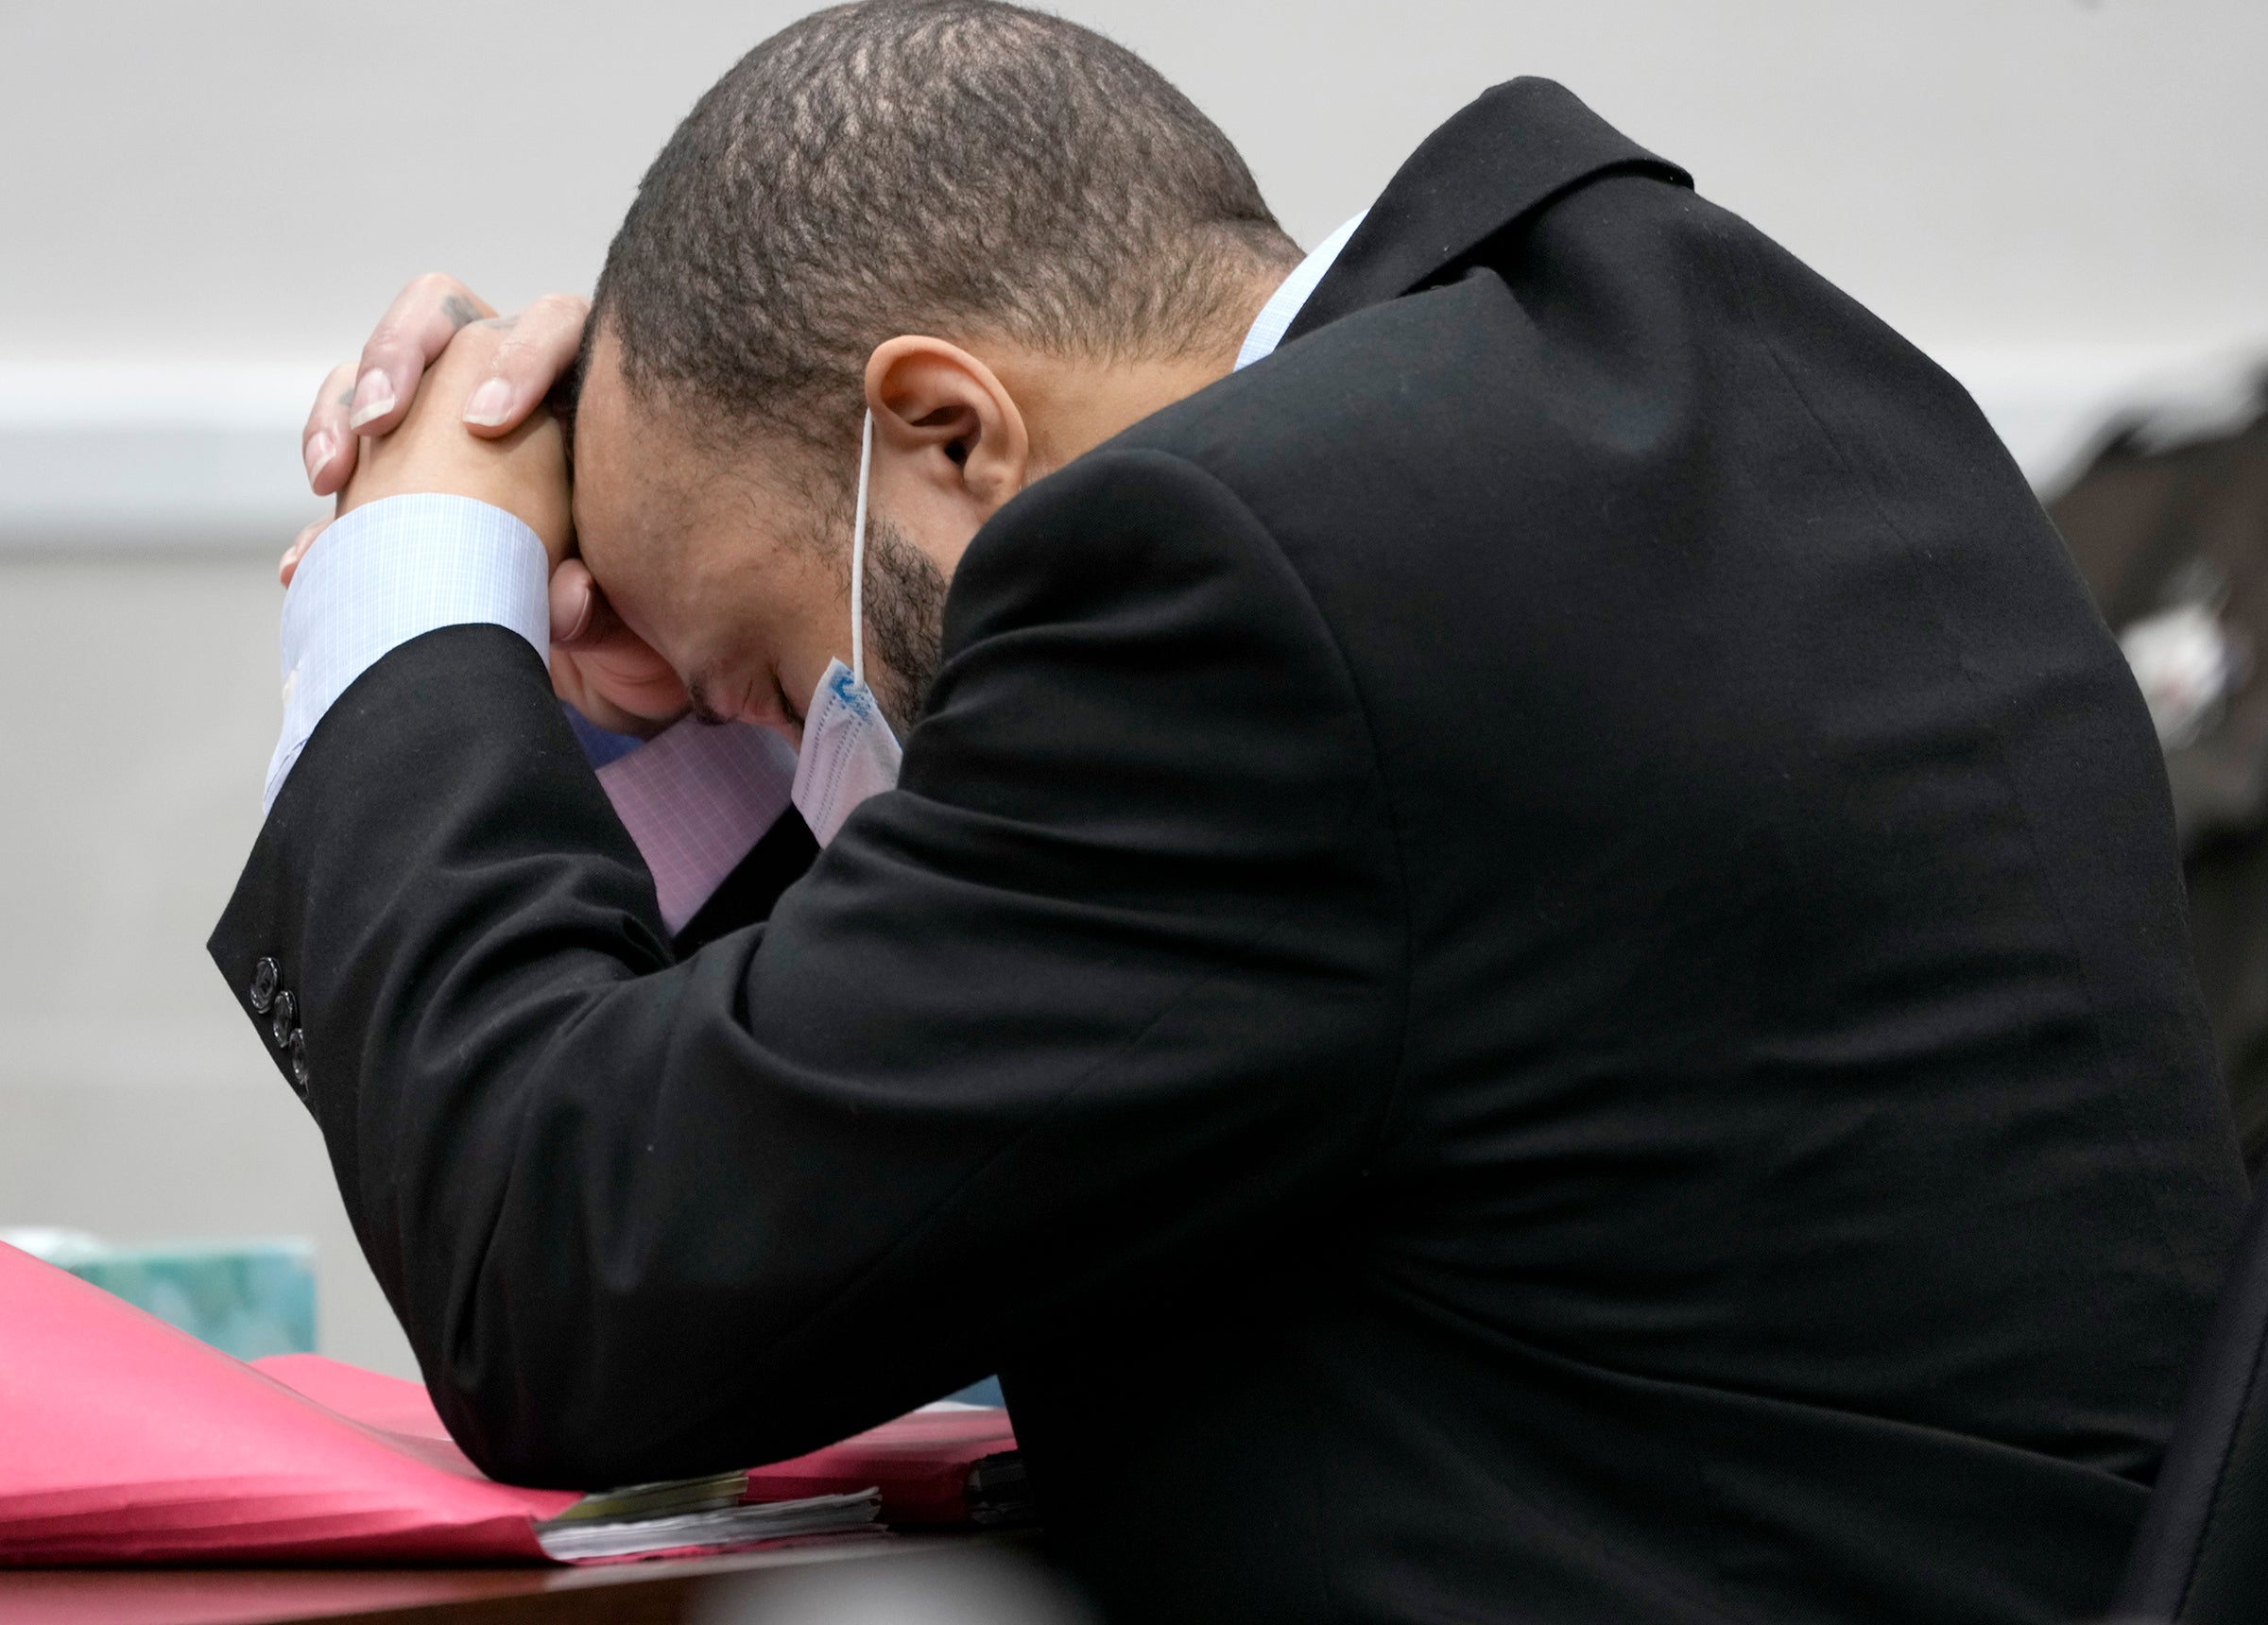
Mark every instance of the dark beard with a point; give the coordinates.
(905, 623)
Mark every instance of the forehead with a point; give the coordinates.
(630, 470)
(644, 479)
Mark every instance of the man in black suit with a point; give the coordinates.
(1527, 963)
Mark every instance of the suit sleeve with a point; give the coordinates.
(1099, 1007)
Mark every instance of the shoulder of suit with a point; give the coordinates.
(1343, 386)
(1406, 382)
(1384, 379)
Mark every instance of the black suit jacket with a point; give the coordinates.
(1529, 967)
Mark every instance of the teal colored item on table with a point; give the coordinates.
(249, 1298)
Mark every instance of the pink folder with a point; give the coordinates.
(123, 1440)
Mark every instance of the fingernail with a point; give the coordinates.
(486, 405)
(300, 544)
(317, 452)
(577, 624)
(373, 398)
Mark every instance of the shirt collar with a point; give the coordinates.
(1283, 305)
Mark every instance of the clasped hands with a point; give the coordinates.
(448, 397)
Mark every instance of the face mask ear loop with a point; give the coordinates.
(858, 556)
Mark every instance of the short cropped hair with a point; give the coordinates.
(955, 167)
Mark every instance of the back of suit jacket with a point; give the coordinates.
(1529, 967)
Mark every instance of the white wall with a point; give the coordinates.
(211, 181)
(201, 206)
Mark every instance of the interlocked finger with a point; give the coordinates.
(417, 327)
(327, 442)
(538, 347)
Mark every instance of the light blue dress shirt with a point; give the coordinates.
(397, 569)
(1275, 317)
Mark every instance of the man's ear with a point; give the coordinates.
(949, 419)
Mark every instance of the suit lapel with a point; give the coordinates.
(1522, 144)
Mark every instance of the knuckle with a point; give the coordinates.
(338, 381)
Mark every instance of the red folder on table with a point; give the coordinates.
(123, 1439)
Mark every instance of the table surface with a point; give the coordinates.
(655, 1593)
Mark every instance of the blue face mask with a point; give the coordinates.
(849, 751)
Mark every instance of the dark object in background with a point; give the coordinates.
(2169, 523)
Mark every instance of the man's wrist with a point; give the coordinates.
(390, 569)
(524, 470)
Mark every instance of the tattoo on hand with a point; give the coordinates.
(459, 310)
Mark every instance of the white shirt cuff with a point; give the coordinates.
(389, 571)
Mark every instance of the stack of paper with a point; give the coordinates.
(576, 1536)
(944, 1463)
(128, 1441)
